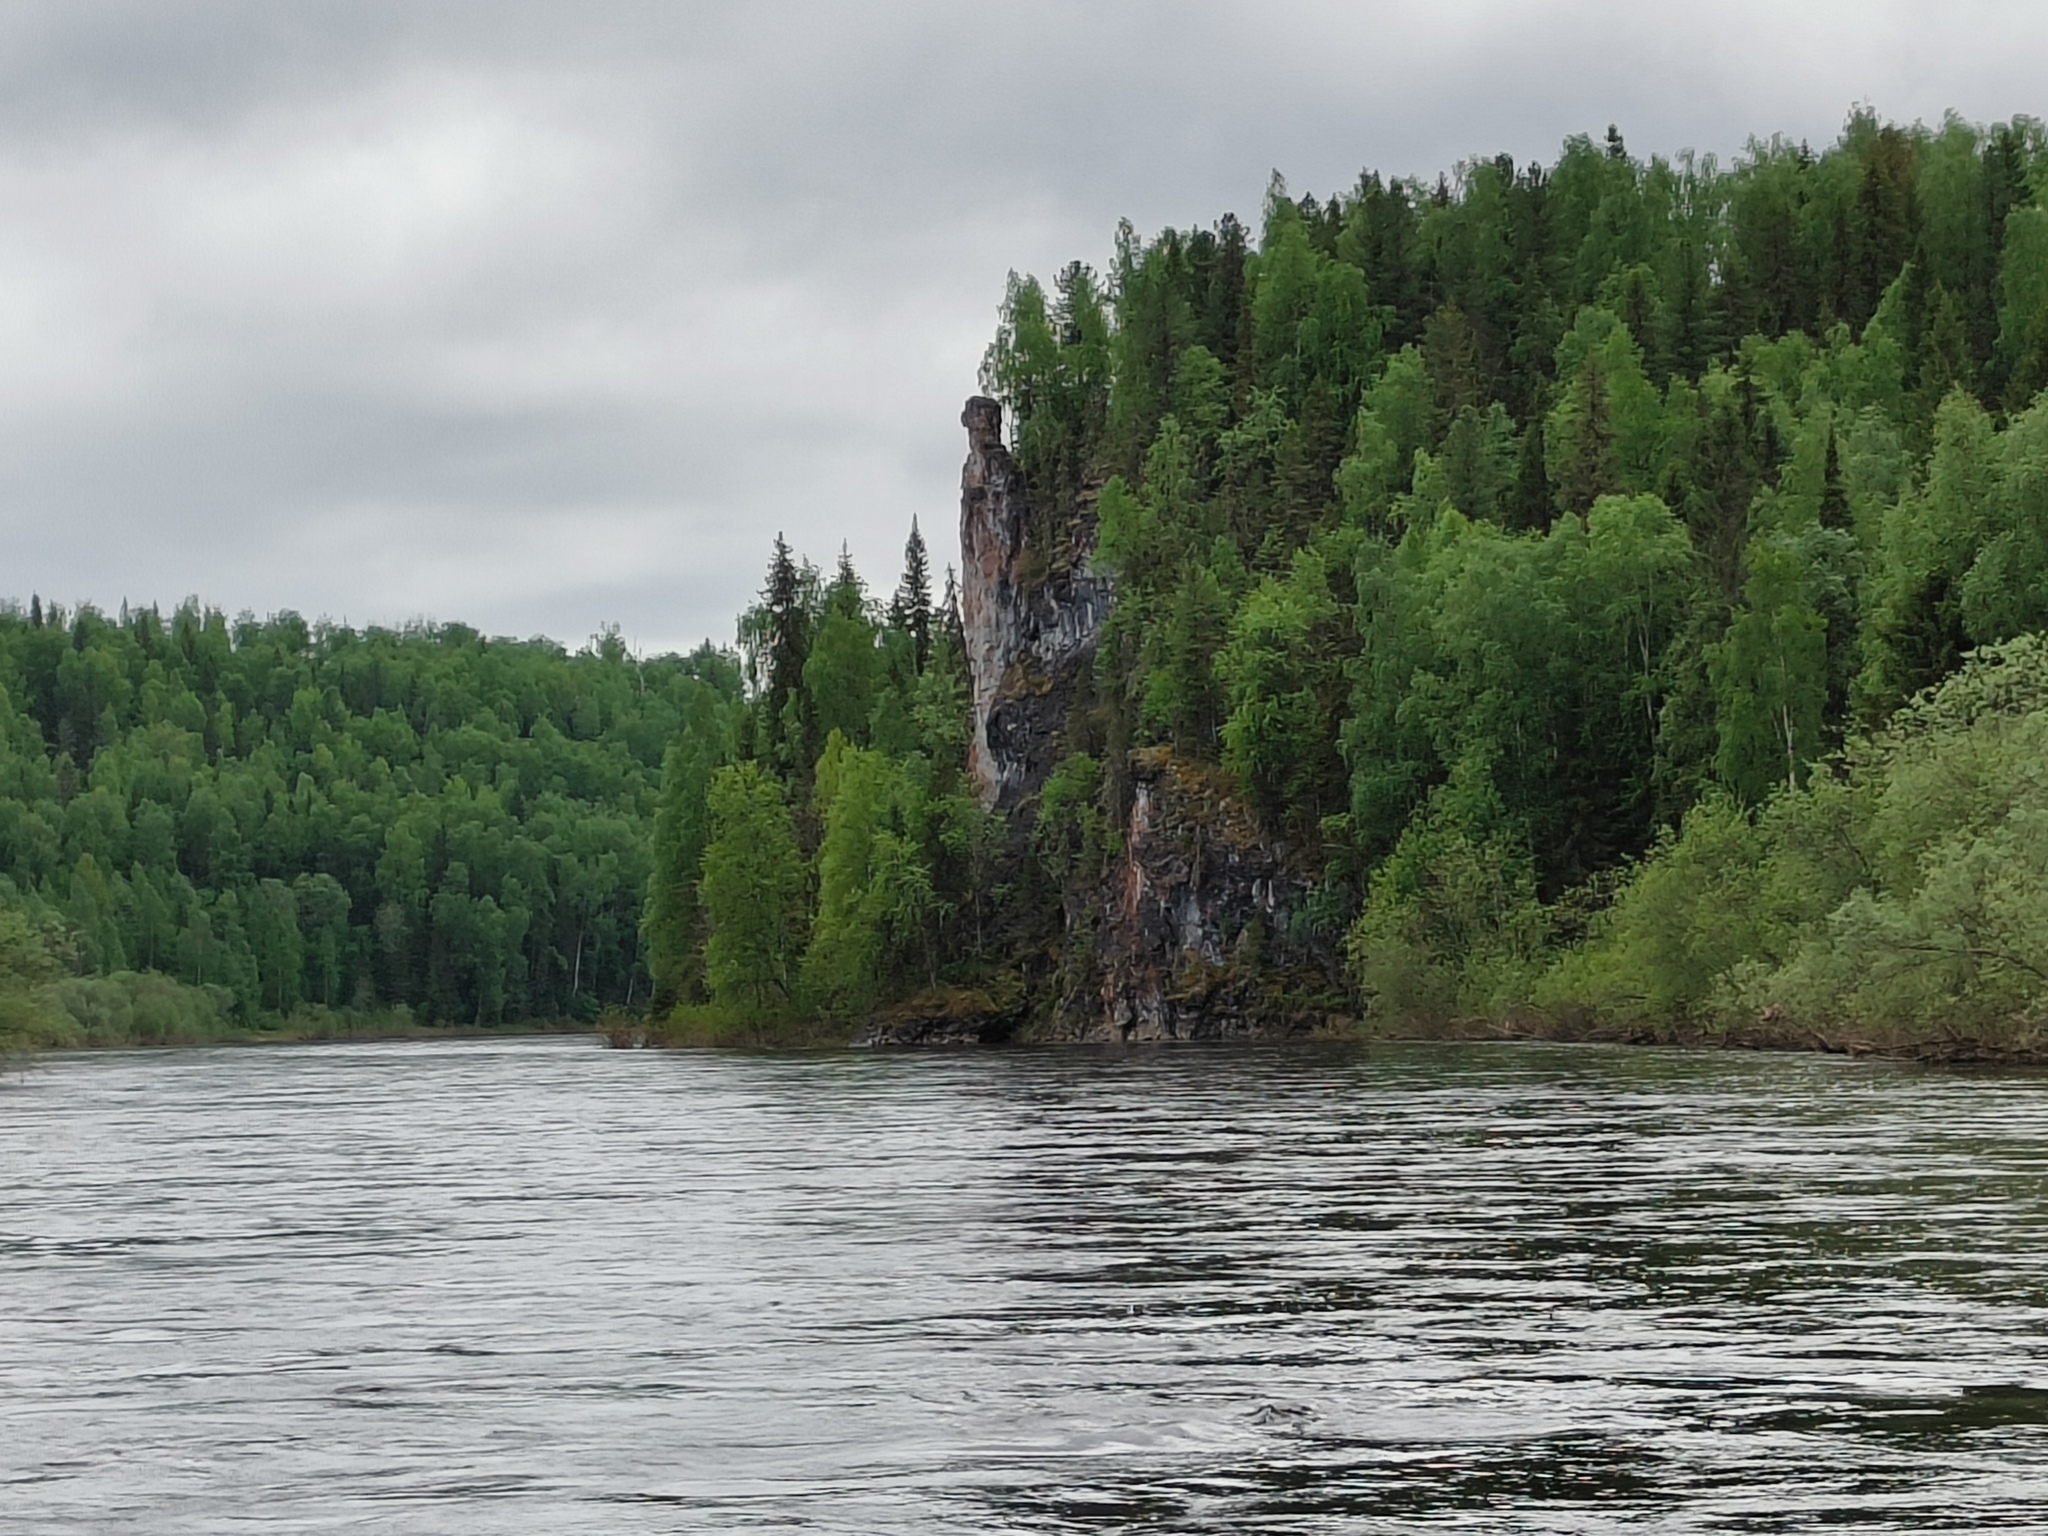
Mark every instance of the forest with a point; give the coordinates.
(208, 825)
(1617, 583)
(1561, 557)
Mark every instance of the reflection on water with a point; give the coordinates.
(536, 1287)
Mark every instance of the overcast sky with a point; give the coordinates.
(546, 315)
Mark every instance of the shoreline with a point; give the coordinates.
(1775, 1036)
(814, 1036)
(249, 1038)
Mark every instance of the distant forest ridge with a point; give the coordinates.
(295, 815)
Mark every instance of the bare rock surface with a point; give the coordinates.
(1192, 932)
(1197, 934)
(1030, 607)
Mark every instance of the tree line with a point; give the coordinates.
(1611, 580)
(280, 816)
(817, 846)
(1496, 533)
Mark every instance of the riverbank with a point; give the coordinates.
(132, 1010)
(967, 1020)
(2026, 1047)
(956, 1024)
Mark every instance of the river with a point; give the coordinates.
(532, 1286)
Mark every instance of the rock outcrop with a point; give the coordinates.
(1030, 607)
(1194, 928)
(1191, 932)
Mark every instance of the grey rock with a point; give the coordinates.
(1030, 606)
(1192, 934)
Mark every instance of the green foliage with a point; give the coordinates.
(1282, 676)
(34, 951)
(1071, 834)
(2005, 590)
(1051, 359)
(2023, 309)
(1771, 676)
(1906, 898)
(1591, 490)
(784, 889)
(1947, 933)
(129, 1008)
(1602, 436)
(755, 891)
(682, 828)
(1695, 907)
(875, 893)
(843, 674)
(777, 634)
(1451, 926)
(1542, 656)
(45, 1003)
(319, 817)
(1512, 541)
(1914, 629)
(910, 611)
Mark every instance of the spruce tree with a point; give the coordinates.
(789, 645)
(671, 917)
(1584, 446)
(949, 616)
(911, 610)
(845, 667)
(1943, 361)
(848, 595)
(1532, 504)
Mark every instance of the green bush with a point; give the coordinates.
(1451, 927)
(1903, 897)
(139, 1008)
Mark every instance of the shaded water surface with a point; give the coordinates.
(537, 1287)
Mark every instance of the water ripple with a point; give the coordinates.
(534, 1287)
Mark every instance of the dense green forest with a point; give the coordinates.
(1514, 538)
(1615, 581)
(1557, 558)
(209, 824)
(824, 852)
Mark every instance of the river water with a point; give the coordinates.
(532, 1286)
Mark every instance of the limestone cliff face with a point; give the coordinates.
(1030, 607)
(1190, 933)
(1194, 932)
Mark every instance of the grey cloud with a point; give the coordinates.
(543, 315)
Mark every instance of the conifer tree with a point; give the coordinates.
(911, 609)
(1771, 673)
(1943, 362)
(788, 622)
(1532, 506)
(949, 618)
(1582, 443)
(844, 669)
(849, 593)
(682, 827)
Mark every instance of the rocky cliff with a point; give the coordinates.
(1190, 931)
(1193, 932)
(1030, 607)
